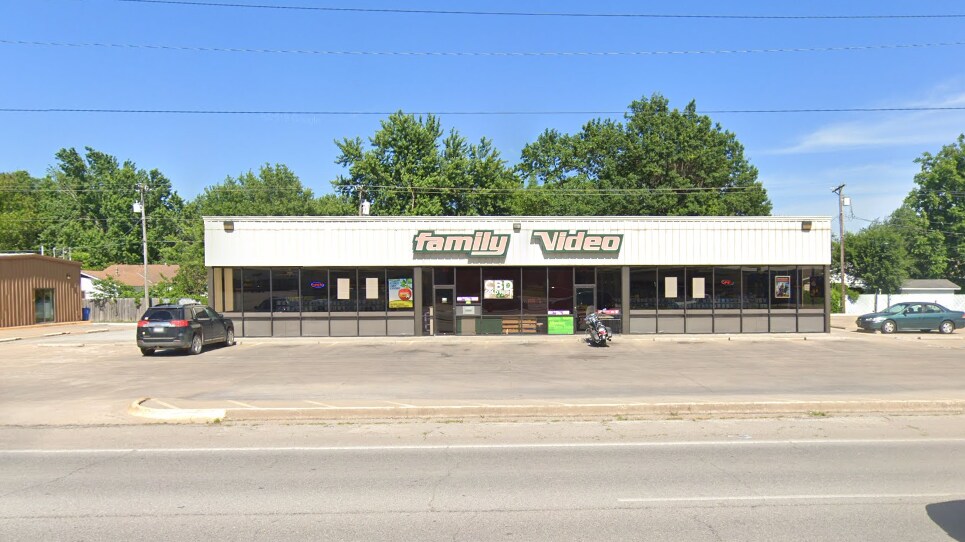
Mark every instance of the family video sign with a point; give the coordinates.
(477, 243)
(578, 241)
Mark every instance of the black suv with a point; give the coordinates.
(184, 326)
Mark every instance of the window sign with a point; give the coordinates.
(344, 288)
(670, 286)
(371, 288)
(698, 289)
(498, 289)
(400, 293)
(782, 287)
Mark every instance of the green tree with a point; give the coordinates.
(925, 247)
(658, 162)
(938, 201)
(20, 219)
(110, 289)
(90, 209)
(411, 169)
(878, 256)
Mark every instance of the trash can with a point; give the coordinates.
(85, 313)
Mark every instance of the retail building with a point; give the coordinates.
(371, 276)
(37, 289)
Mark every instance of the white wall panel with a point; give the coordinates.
(377, 241)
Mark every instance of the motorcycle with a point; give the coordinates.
(597, 334)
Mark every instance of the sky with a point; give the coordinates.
(873, 63)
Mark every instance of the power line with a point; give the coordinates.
(537, 14)
(314, 52)
(462, 113)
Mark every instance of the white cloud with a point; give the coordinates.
(919, 128)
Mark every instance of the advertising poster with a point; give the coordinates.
(782, 287)
(498, 289)
(400, 293)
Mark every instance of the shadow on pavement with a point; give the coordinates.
(950, 516)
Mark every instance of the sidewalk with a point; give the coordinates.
(8, 334)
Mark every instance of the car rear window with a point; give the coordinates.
(163, 314)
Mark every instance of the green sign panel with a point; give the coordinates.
(559, 325)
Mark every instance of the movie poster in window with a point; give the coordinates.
(400, 293)
(782, 287)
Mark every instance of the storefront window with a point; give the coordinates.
(670, 288)
(699, 287)
(585, 275)
(609, 293)
(284, 290)
(401, 289)
(237, 290)
(443, 276)
(343, 295)
(727, 288)
(812, 287)
(785, 288)
(560, 290)
(372, 295)
(534, 290)
(500, 290)
(257, 290)
(468, 286)
(314, 290)
(643, 288)
(756, 287)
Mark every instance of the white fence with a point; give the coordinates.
(873, 303)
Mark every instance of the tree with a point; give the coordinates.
(110, 289)
(925, 247)
(20, 218)
(659, 162)
(411, 170)
(274, 191)
(90, 209)
(938, 201)
(878, 256)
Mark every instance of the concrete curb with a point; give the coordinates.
(10, 339)
(188, 415)
(636, 410)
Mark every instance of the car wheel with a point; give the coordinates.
(888, 326)
(147, 351)
(230, 338)
(947, 327)
(197, 343)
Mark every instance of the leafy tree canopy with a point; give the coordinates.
(411, 169)
(658, 162)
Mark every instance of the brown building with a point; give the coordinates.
(37, 289)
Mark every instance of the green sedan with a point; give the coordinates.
(913, 316)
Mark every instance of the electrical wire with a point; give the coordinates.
(185, 48)
(198, 3)
(461, 113)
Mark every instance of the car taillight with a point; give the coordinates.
(180, 323)
(142, 323)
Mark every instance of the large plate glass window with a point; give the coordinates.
(643, 288)
(560, 290)
(315, 290)
(343, 296)
(372, 290)
(401, 289)
(284, 290)
(670, 287)
(257, 290)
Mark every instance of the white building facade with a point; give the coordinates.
(371, 276)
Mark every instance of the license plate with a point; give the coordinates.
(157, 329)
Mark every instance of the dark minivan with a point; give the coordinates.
(183, 326)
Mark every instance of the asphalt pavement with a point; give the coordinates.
(93, 374)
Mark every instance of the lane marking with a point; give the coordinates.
(246, 405)
(430, 447)
(320, 404)
(169, 405)
(400, 404)
(794, 497)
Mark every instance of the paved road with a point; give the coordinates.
(740, 480)
(93, 378)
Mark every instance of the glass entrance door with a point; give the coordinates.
(444, 313)
(44, 305)
(585, 299)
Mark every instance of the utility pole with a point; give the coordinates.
(147, 293)
(844, 290)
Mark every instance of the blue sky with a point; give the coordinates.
(800, 156)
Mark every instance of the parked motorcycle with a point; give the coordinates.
(597, 334)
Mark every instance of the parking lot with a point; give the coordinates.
(91, 376)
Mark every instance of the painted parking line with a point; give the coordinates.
(239, 403)
(320, 404)
(758, 498)
(168, 405)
